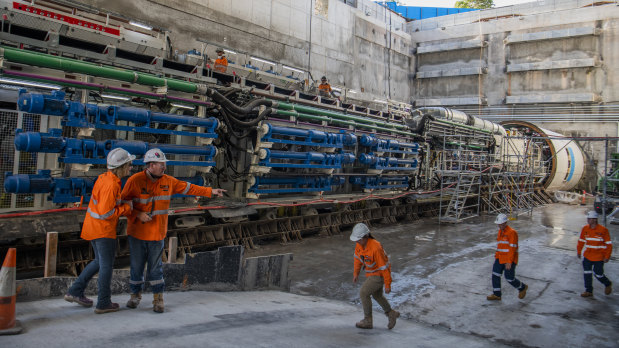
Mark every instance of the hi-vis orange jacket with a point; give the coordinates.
(507, 246)
(221, 64)
(104, 208)
(154, 199)
(325, 86)
(595, 244)
(375, 261)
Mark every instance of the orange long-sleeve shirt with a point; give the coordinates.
(595, 244)
(375, 261)
(154, 197)
(507, 246)
(104, 208)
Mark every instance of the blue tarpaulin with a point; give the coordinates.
(418, 12)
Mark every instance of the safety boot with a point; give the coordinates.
(493, 297)
(366, 323)
(134, 301)
(608, 289)
(158, 302)
(586, 294)
(393, 315)
(522, 293)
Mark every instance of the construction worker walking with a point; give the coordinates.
(104, 209)
(506, 259)
(369, 254)
(595, 247)
(151, 191)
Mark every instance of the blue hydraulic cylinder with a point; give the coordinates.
(309, 137)
(387, 163)
(105, 117)
(391, 145)
(63, 190)
(290, 159)
(88, 151)
(379, 183)
(295, 184)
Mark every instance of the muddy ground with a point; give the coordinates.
(441, 276)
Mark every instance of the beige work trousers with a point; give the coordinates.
(373, 286)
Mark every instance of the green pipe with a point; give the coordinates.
(314, 111)
(92, 88)
(76, 66)
(337, 121)
(466, 145)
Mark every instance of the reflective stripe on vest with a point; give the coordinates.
(101, 217)
(159, 212)
(378, 269)
(186, 189)
(154, 198)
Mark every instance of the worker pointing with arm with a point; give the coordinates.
(104, 209)
(369, 254)
(151, 191)
(595, 247)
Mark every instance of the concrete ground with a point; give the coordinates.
(442, 275)
(222, 319)
(441, 278)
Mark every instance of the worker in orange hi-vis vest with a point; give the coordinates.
(595, 247)
(151, 191)
(369, 254)
(104, 209)
(506, 259)
(221, 63)
(324, 89)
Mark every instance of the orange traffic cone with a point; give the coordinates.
(8, 324)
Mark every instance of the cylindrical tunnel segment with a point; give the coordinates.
(564, 158)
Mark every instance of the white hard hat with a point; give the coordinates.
(500, 219)
(154, 155)
(117, 157)
(592, 214)
(359, 231)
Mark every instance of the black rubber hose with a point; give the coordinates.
(264, 114)
(229, 105)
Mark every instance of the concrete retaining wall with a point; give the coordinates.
(364, 48)
(220, 270)
(557, 55)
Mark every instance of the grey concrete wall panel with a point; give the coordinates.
(450, 101)
(451, 46)
(451, 72)
(551, 35)
(553, 98)
(544, 7)
(211, 270)
(453, 86)
(558, 64)
(267, 272)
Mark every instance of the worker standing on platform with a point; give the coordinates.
(369, 254)
(324, 89)
(221, 63)
(151, 191)
(595, 247)
(506, 259)
(99, 228)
